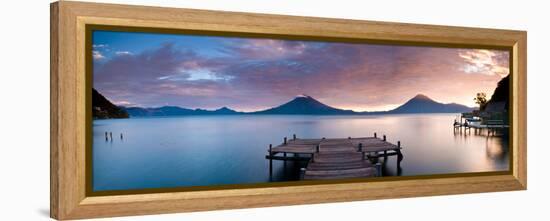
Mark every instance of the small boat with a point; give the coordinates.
(473, 121)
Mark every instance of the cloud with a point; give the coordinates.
(97, 55)
(123, 53)
(487, 62)
(264, 49)
(259, 73)
(125, 103)
(100, 45)
(164, 75)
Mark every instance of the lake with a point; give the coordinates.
(163, 152)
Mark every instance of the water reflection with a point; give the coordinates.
(495, 148)
(213, 150)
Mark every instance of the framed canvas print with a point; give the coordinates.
(160, 110)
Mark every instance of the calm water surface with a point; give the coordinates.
(213, 150)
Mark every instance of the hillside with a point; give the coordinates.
(500, 99)
(104, 109)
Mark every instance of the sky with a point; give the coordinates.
(249, 74)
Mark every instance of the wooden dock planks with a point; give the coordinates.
(340, 174)
(336, 157)
(293, 148)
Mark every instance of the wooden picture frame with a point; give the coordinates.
(69, 198)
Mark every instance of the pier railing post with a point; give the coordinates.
(361, 150)
(399, 156)
(378, 169)
(270, 160)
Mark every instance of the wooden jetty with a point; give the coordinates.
(468, 122)
(336, 157)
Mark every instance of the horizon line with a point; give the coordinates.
(301, 95)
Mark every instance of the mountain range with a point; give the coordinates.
(305, 105)
(176, 111)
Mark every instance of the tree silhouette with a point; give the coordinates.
(481, 100)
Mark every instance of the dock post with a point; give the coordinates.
(384, 138)
(378, 169)
(399, 156)
(374, 134)
(293, 136)
(361, 150)
(270, 161)
(284, 141)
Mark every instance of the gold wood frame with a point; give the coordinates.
(69, 85)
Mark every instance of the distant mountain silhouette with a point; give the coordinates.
(304, 104)
(104, 109)
(423, 104)
(176, 111)
(225, 110)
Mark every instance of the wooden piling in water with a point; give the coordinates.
(361, 150)
(270, 160)
(384, 137)
(378, 169)
(375, 135)
(399, 155)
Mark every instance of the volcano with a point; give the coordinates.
(303, 104)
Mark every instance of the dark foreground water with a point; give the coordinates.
(214, 150)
